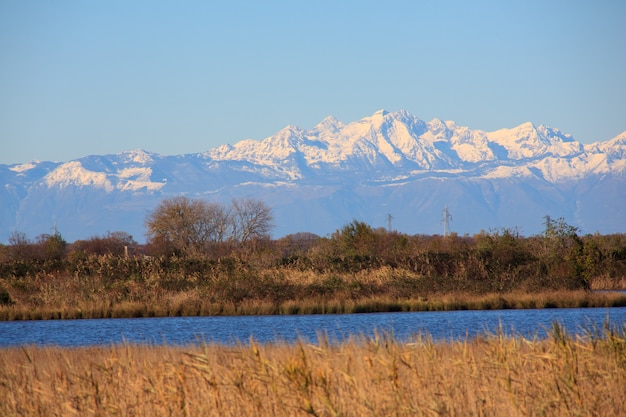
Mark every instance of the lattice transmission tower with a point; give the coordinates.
(445, 220)
(389, 219)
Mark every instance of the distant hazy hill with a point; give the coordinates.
(320, 179)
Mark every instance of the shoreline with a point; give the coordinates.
(177, 306)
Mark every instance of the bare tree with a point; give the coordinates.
(184, 226)
(218, 222)
(251, 219)
(21, 246)
(113, 243)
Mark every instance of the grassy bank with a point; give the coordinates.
(191, 303)
(489, 376)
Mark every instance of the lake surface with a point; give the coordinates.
(231, 330)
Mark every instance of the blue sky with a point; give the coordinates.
(96, 77)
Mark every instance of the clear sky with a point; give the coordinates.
(96, 77)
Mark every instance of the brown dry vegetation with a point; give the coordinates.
(357, 269)
(488, 376)
(197, 302)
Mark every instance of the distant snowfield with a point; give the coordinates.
(317, 180)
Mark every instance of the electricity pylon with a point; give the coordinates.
(446, 219)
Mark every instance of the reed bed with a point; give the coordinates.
(192, 303)
(492, 375)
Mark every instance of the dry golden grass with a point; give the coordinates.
(604, 282)
(192, 303)
(195, 287)
(490, 376)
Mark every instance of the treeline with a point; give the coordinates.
(499, 260)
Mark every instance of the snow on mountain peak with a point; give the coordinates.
(73, 173)
(440, 129)
(127, 178)
(528, 141)
(555, 134)
(397, 139)
(383, 162)
(23, 167)
(139, 156)
(614, 148)
(379, 117)
(618, 142)
(329, 125)
(621, 137)
(133, 179)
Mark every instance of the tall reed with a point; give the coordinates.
(190, 303)
(492, 375)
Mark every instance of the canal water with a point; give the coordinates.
(450, 325)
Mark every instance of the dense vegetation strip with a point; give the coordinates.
(356, 269)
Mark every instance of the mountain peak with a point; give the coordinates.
(438, 125)
(288, 130)
(330, 123)
(139, 156)
(389, 162)
(23, 167)
(527, 126)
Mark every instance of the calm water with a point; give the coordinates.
(230, 330)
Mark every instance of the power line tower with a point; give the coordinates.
(446, 219)
(389, 218)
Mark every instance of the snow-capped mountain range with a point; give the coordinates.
(317, 180)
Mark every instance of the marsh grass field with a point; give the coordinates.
(492, 375)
